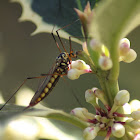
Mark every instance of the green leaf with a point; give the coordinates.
(57, 115)
(46, 14)
(11, 111)
(13, 115)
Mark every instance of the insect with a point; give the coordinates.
(59, 69)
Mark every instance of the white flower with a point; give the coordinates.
(90, 132)
(118, 130)
(121, 98)
(105, 63)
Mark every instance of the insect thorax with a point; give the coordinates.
(62, 63)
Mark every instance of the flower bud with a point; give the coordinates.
(92, 99)
(79, 64)
(125, 40)
(129, 129)
(131, 135)
(124, 46)
(83, 114)
(124, 49)
(122, 97)
(88, 115)
(94, 89)
(96, 45)
(118, 130)
(79, 113)
(127, 108)
(129, 57)
(135, 115)
(77, 68)
(100, 95)
(89, 96)
(135, 105)
(134, 124)
(105, 63)
(102, 125)
(90, 133)
(73, 74)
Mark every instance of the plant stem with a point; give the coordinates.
(112, 90)
(109, 86)
(114, 54)
(111, 81)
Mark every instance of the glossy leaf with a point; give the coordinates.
(46, 14)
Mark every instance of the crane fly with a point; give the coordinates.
(59, 69)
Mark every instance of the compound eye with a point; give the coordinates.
(64, 56)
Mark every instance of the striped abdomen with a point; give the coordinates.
(45, 89)
(61, 68)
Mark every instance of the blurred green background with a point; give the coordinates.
(23, 55)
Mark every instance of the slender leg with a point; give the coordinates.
(71, 50)
(56, 42)
(19, 88)
(43, 74)
(59, 10)
(59, 35)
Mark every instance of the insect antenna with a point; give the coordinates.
(60, 37)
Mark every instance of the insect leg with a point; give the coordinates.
(19, 88)
(59, 11)
(55, 41)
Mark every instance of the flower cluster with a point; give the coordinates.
(104, 62)
(77, 68)
(103, 59)
(103, 56)
(108, 119)
(126, 54)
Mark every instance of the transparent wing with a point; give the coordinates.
(42, 85)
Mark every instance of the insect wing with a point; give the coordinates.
(43, 85)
